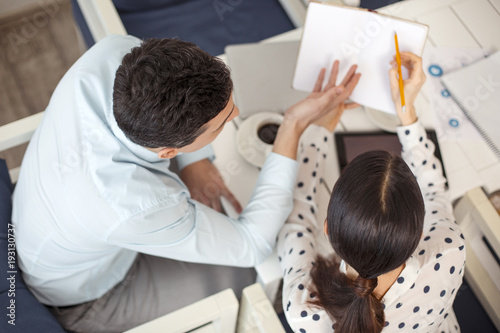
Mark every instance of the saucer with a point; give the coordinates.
(384, 120)
(248, 144)
(387, 121)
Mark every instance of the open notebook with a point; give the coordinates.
(355, 36)
(476, 89)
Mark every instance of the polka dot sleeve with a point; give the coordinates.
(297, 239)
(441, 252)
(418, 152)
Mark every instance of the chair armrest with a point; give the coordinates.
(16, 133)
(257, 314)
(19, 131)
(216, 313)
(102, 18)
(480, 224)
(296, 11)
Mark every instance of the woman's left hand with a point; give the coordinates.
(332, 118)
(325, 105)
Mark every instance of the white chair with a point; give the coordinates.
(219, 314)
(214, 314)
(257, 314)
(102, 20)
(480, 224)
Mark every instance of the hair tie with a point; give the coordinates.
(364, 287)
(343, 267)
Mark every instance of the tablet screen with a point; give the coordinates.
(350, 145)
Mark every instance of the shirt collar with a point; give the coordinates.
(139, 151)
(404, 282)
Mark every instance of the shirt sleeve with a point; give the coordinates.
(190, 231)
(418, 153)
(185, 159)
(441, 251)
(297, 240)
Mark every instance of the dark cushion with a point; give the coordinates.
(18, 305)
(210, 24)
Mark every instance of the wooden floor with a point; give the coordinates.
(38, 43)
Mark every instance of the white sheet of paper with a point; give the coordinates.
(355, 36)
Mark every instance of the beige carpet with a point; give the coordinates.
(37, 45)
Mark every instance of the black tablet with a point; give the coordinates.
(352, 144)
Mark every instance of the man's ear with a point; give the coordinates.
(168, 152)
(325, 227)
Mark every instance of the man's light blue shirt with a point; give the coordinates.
(88, 199)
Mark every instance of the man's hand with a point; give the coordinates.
(207, 186)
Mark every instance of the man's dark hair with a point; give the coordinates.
(166, 90)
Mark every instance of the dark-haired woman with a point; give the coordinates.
(398, 256)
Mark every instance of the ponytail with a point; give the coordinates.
(374, 222)
(350, 304)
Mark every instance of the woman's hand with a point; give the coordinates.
(412, 85)
(325, 106)
(320, 103)
(332, 118)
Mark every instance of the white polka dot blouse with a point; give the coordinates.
(421, 298)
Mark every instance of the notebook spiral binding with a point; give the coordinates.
(485, 136)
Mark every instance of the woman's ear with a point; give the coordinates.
(325, 227)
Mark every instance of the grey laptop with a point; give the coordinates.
(262, 76)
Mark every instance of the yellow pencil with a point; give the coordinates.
(401, 87)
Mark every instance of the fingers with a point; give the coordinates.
(216, 205)
(232, 200)
(349, 75)
(341, 93)
(413, 64)
(352, 105)
(330, 97)
(411, 57)
(198, 196)
(333, 75)
(351, 84)
(319, 81)
(394, 80)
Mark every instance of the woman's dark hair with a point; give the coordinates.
(375, 222)
(166, 90)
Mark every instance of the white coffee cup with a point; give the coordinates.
(256, 135)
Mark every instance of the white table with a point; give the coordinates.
(458, 23)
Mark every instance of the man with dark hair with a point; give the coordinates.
(101, 220)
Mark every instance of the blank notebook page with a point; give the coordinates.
(355, 36)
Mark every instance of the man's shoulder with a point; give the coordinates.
(110, 49)
(116, 42)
